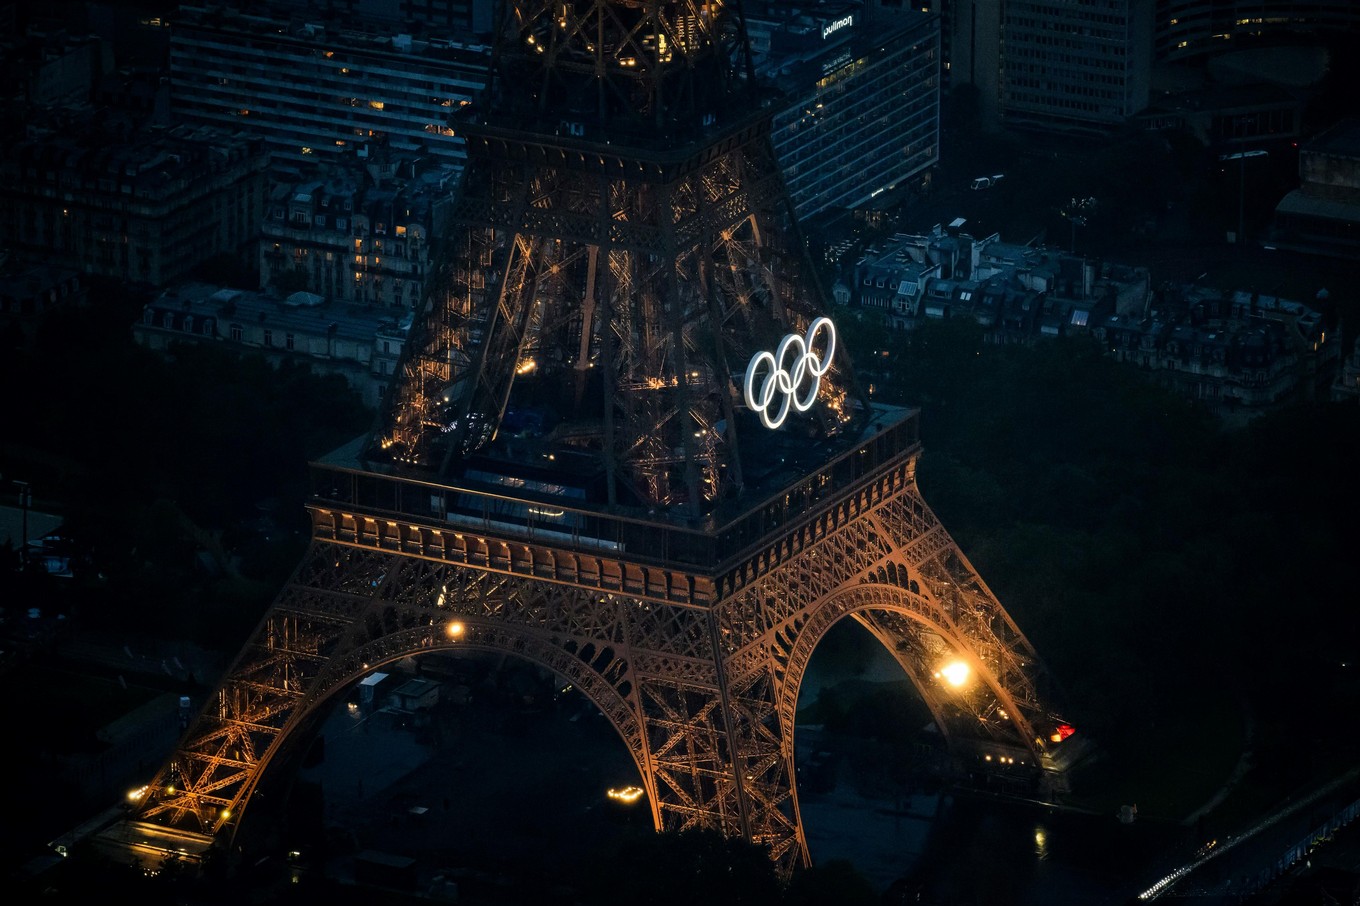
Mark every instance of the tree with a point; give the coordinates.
(835, 883)
(682, 869)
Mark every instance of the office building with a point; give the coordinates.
(1322, 216)
(860, 99)
(1192, 29)
(318, 86)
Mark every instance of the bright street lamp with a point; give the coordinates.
(955, 673)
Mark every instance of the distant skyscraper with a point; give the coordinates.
(1074, 65)
(1188, 29)
(1086, 65)
(860, 106)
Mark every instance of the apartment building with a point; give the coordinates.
(361, 344)
(144, 206)
(361, 231)
(319, 85)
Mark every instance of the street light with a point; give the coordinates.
(1076, 212)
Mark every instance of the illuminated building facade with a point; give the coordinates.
(318, 87)
(1188, 29)
(360, 232)
(860, 106)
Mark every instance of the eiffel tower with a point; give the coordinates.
(625, 446)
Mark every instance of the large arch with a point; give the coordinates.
(698, 672)
(910, 626)
(321, 636)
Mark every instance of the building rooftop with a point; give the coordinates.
(1341, 140)
(302, 313)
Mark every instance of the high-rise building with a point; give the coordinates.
(319, 85)
(450, 16)
(1087, 65)
(860, 110)
(1188, 29)
(1074, 65)
(1079, 66)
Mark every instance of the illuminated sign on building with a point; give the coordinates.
(832, 27)
(775, 379)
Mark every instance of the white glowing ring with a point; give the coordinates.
(785, 371)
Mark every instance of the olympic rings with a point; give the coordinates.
(788, 367)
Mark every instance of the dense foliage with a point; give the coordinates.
(1169, 571)
(180, 476)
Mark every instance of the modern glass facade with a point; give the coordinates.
(860, 117)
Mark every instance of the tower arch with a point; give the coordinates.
(566, 468)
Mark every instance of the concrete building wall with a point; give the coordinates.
(862, 115)
(1074, 65)
(319, 88)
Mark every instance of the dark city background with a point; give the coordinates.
(1117, 267)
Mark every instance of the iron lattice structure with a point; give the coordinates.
(698, 670)
(567, 472)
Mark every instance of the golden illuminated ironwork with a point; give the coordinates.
(565, 470)
(698, 670)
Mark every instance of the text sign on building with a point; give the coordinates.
(836, 25)
(790, 376)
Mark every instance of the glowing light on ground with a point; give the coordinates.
(627, 794)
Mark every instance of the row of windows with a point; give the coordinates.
(1052, 88)
(1017, 75)
(1070, 16)
(1103, 48)
(1088, 61)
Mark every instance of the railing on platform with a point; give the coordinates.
(708, 544)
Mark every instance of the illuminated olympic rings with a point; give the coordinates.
(785, 371)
